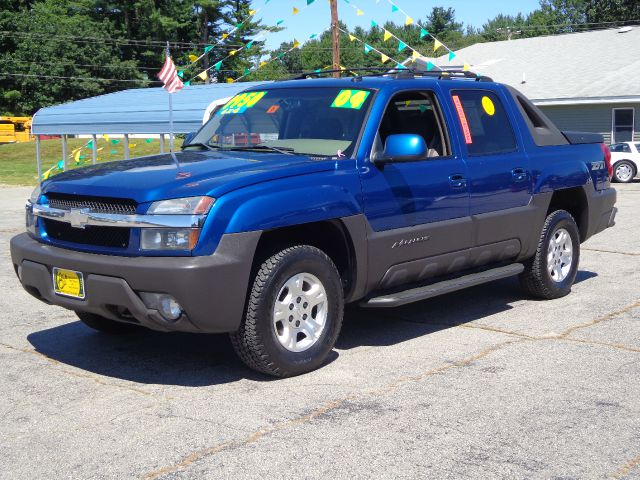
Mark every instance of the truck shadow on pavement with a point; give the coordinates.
(197, 360)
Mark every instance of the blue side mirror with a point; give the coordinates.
(188, 138)
(404, 147)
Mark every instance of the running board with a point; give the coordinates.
(440, 288)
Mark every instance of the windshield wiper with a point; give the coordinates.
(200, 144)
(283, 150)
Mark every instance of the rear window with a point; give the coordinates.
(485, 125)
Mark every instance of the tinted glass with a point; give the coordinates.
(315, 121)
(638, 147)
(623, 117)
(485, 125)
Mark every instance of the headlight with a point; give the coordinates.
(182, 206)
(35, 195)
(169, 238)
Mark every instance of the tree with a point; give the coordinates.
(618, 11)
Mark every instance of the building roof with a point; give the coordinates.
(142, 110)
(588, 67)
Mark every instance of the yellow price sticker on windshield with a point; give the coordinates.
(488, 106)
(240, 103)
(353, 99)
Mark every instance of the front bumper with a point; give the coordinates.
(211, 289)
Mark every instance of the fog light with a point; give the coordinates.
(168, 307)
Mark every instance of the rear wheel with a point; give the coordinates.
(105, 325)
(552, 271)
(624, 171)
(294, 313)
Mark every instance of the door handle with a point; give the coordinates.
(457, 181)
(519, 174)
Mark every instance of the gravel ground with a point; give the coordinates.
(484, 383)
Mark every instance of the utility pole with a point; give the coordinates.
(335, 33)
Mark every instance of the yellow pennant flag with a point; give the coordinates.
(466, 67)
(384, 58)
(415, 55)
(352, 38)
(76, 155)
(252, 12)
(233, 52)
(224, 36)
(203, 75)
(387, 35)
(437, 44)
(133, 145)
(296, 43)
(230, 80)
(359, 12)
(408, 21)
(262, 64)
(192, 58)
(295, 11)
(106, 137)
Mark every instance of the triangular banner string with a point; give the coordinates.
(262, 33)
(368, 48)
(424, 31)
(296, 44)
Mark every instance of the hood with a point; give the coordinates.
(191, 173)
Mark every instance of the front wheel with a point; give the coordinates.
(623, 171)
(294, 313)
(552, 271)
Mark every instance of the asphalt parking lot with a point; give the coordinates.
(484, 383)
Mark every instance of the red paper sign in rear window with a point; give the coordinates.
(463, 120)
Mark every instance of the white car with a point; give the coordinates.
(625, 158)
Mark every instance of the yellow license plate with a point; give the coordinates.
(68, 283)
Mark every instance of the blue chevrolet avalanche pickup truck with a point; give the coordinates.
(301, 196)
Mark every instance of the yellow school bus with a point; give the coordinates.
(15, 129)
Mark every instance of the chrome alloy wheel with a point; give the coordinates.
(624, 172)
(559, 255)
(300, 312)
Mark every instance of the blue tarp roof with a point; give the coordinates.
(142, 110)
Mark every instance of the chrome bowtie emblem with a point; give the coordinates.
(78, 218)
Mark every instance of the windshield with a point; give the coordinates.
(313, 121)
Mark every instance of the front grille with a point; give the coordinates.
(121, 206)
(114, 237)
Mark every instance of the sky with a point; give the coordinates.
(316, 17)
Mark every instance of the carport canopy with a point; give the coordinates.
(134, 111)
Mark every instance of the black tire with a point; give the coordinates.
(627, 163)
(536, 279)
(104, 325)
(256, 341)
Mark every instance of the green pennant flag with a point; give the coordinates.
(208, 48)
(367, 48)
(279, 22)
(401, 46)
(309, 2)
(423, 32)
(115, 142)
(181, 73)
(90, 144)
(281, 54)
(393, 8)
(60, 165)
(314, 35)
(247, 71)
(451, 56)
(186, 84)
(399, 66)
(430, 66)
(239, 25)
(317, 70)
(113, 152)
(81, 157)
(218, 65)
(373, 24)
(423, 108)
(149, 140)
(249, 45)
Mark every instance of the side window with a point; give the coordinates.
(623, 120)
(638, 147)
(417, 113)
(485, 125)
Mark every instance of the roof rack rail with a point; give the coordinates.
(400, 73)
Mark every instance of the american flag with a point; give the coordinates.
(169, 76)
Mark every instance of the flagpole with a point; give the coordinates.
(170, 112)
